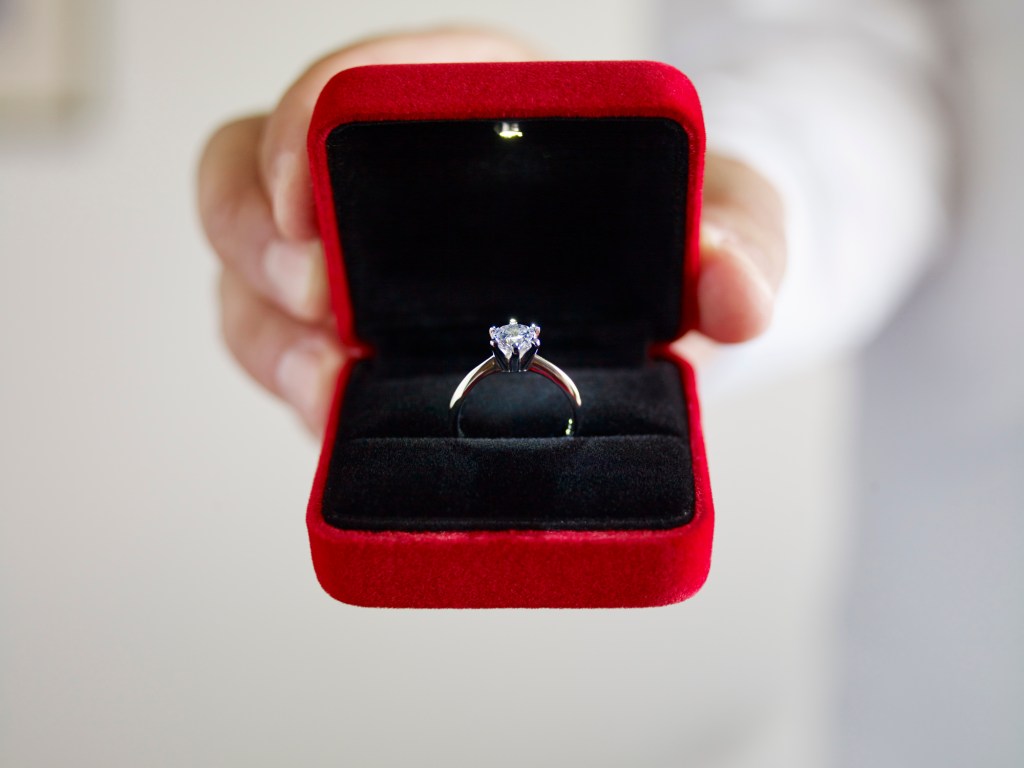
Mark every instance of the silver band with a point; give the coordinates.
(515, 351)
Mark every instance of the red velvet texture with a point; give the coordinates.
(478, 569)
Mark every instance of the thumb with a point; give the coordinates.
(743, 251)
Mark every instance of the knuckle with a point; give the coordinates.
(232, 314)
(221, 175)
(219, 215)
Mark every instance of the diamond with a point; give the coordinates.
(515, 337)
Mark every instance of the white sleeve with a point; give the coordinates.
(837, 103)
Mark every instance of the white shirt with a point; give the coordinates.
(839, 104)
(893, 129)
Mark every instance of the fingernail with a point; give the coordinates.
(724, 241)
(761, 293)
(758, 280)
(296, 273)
(715, 237)
(305, 377)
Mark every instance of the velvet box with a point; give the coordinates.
(450, 198)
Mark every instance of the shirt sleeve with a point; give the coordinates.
(840, 105)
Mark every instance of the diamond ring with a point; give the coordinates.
(514, 349)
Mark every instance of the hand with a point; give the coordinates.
(256, 206)
(742, 251)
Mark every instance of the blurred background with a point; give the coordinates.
(157, 602)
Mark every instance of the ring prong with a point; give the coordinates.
(527, 358)
(514, 349)
(503, 362)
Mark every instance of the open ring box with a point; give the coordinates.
(450, 198)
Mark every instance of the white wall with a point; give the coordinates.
(157, 604)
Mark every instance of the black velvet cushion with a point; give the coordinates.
(448, 228)
(395, 466)
(645, 400)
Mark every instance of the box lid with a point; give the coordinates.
(451, 197)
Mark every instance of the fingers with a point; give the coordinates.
(255, 202)
(237, 218)
(295, 361)
(283, 165)
(743, 251)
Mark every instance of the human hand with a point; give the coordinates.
(742, 253)
(256, 206)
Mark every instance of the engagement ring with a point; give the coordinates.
(514, 348)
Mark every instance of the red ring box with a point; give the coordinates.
(451, 197)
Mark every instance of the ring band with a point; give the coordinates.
(514, 348)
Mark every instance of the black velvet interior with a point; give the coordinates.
(576, 226)
(446, 229)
